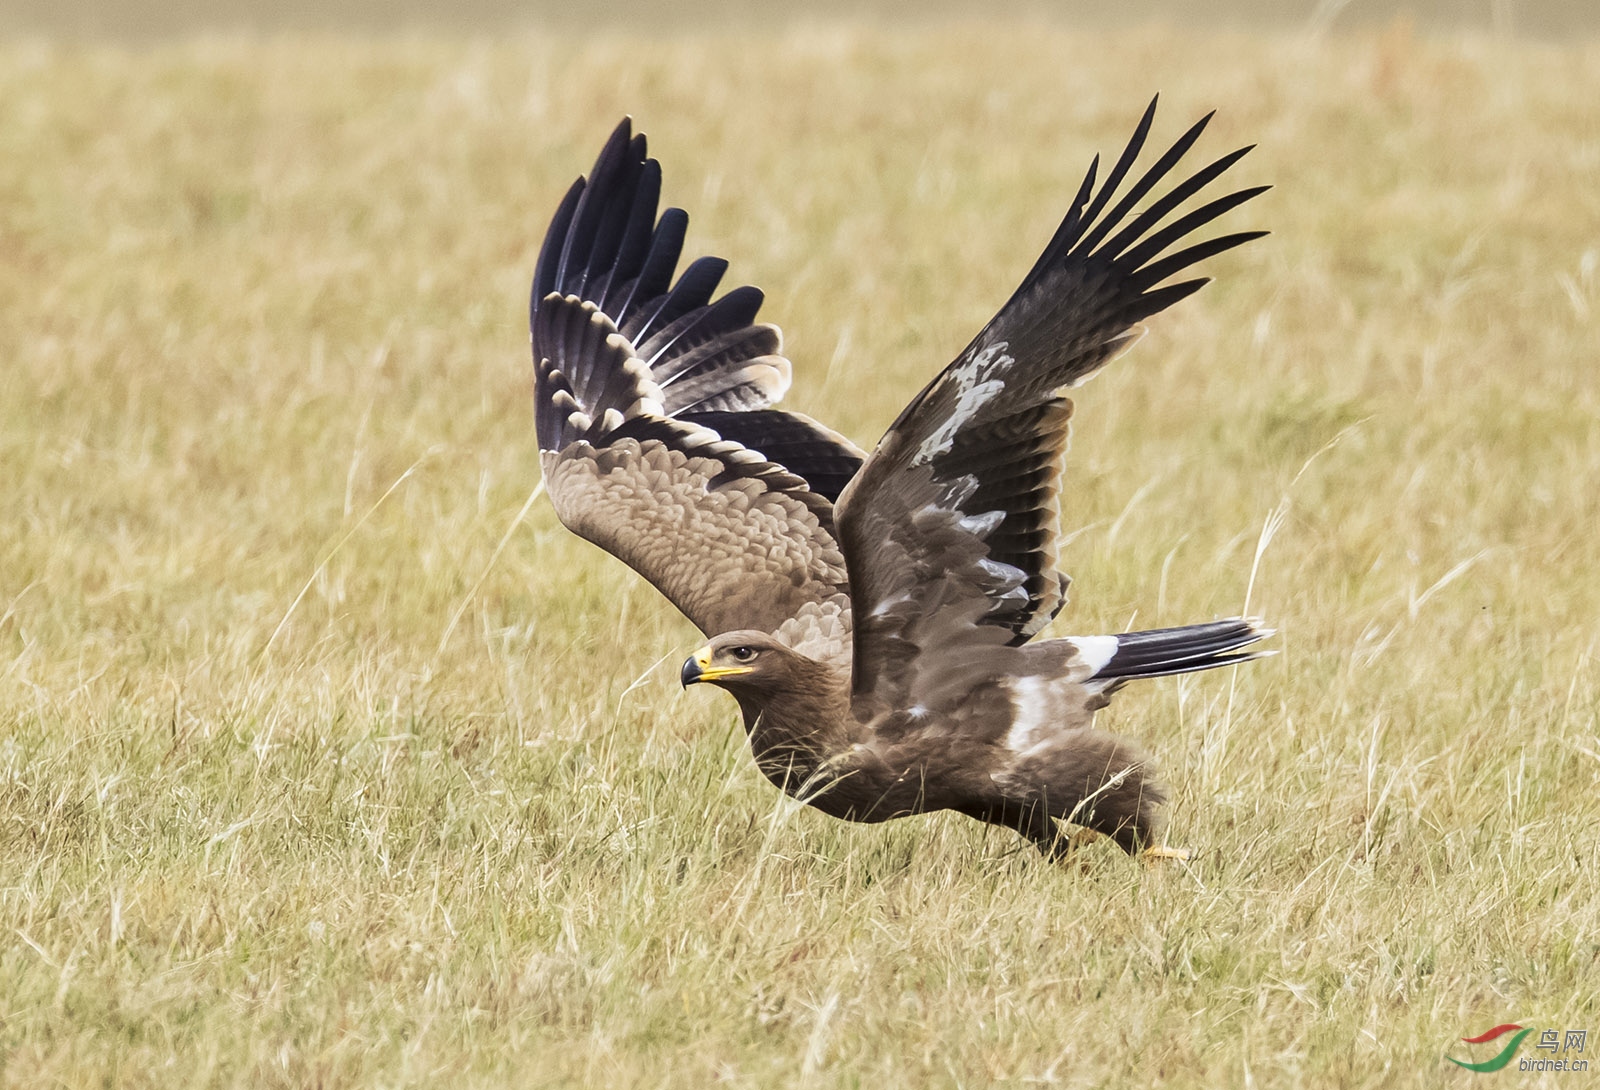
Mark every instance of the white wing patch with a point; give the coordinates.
(970, 397)
(1034, 720)
(1095, 651)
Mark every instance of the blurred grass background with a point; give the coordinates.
(264, 419)
(144, 20)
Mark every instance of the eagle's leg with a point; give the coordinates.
(1100, 782)
(1035, 822)
(1049, 831)
(1059, 845)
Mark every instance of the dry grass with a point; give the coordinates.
(264, 418)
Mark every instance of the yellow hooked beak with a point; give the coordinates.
(697, 667)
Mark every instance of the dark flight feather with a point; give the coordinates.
(995, 413)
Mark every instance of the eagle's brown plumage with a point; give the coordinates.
(871, 614)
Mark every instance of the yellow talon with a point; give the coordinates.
(1162, 851)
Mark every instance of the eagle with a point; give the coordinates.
(873, 614)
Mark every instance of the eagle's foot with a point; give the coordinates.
(1067, 850)
(1062, 847)
(1158, 852)
(1081, 838)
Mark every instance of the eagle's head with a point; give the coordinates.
(746, 664)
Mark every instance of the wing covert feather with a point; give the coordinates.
(653, 410)
(733, 540)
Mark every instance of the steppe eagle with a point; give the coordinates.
(871, 613)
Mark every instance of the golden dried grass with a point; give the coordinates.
(264, 419)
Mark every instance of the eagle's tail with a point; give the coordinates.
(1164, 651)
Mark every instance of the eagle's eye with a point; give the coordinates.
(743, 654)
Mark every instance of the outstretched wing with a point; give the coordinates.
(652, 409)
(950, 527)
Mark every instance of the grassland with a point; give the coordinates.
(267, 818)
